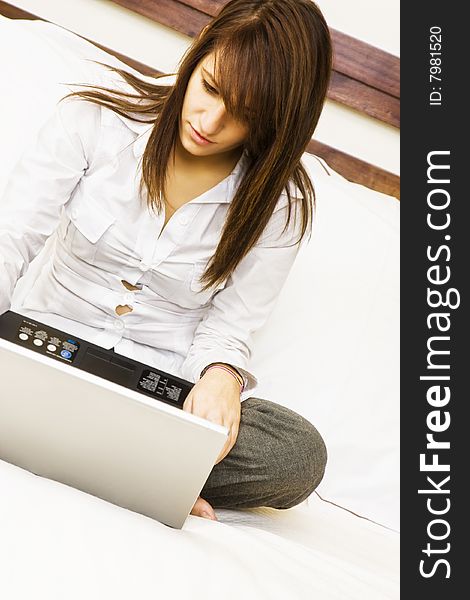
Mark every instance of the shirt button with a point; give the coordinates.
(184, 220)
(74, 213)
(119, 325)
(128, 298)
(144, 267)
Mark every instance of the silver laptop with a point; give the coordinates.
(135, 448)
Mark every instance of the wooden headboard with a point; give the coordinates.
(364, 78)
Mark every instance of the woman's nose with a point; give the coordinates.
(213, 119)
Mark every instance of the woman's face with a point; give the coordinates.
(206, 129)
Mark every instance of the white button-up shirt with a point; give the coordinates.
(79, 181)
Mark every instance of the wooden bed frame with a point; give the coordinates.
(364, 78)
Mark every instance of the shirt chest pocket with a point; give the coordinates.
(88, 222)
(201, 296)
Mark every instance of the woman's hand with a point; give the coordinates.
(216, 397)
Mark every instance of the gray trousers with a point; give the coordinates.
(278, 460)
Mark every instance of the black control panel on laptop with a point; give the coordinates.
(83, 355)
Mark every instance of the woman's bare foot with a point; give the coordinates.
(203, 509)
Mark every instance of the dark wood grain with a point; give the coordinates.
(177, 15)
(365, 99)
(210, 7)
(357, 170)
(348, 166)
(12, 12)
(363, 62)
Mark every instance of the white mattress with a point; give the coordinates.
(59, 543)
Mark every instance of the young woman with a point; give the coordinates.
(178, 212)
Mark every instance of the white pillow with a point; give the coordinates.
(330, 348)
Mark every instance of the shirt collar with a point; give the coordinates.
(142, 131)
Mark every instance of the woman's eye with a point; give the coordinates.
(208, 87)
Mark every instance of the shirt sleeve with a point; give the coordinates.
(40, 184)
(244, 305)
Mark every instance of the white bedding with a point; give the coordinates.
(57, 542)
(329, 351)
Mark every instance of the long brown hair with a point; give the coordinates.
(275, 56)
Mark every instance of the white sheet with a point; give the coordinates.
(57, 542)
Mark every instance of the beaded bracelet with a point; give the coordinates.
(228, 369)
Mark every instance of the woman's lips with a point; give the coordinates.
(197, 137)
